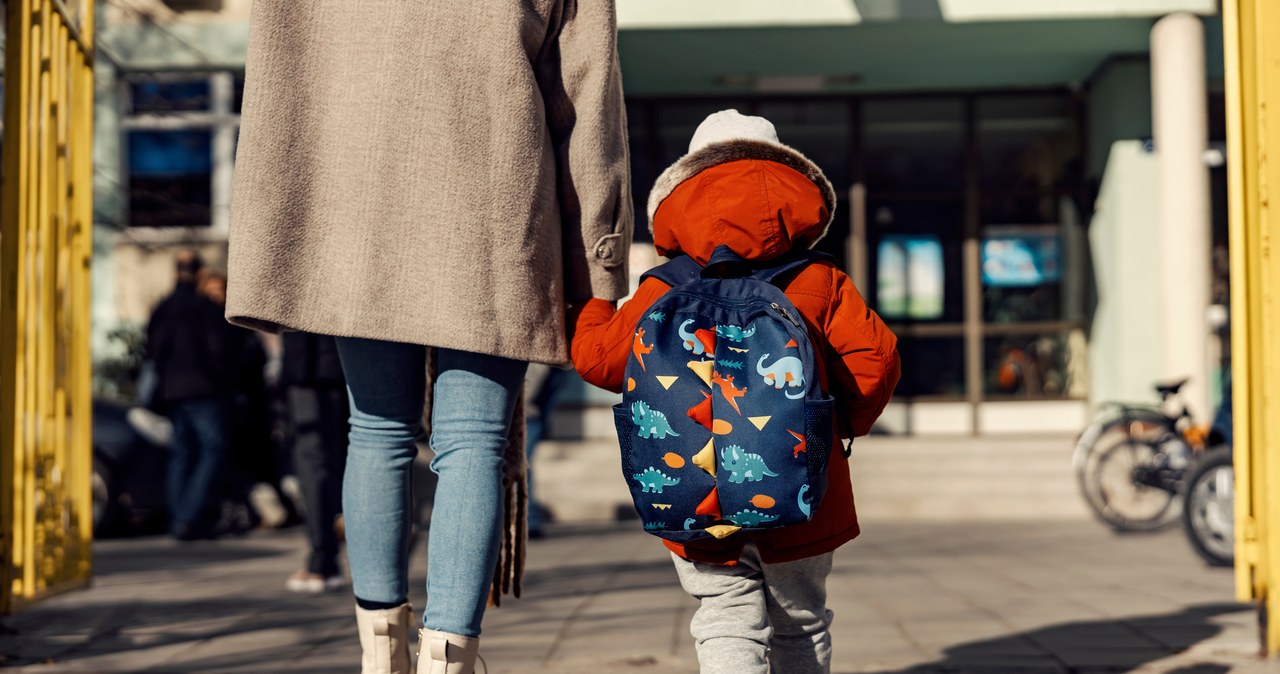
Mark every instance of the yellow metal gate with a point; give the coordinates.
(46, 217)
(1252, 40)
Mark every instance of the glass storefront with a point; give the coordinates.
(959, 218)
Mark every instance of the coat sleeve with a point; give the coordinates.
(602, 337)
(864, 368)
(582, 91)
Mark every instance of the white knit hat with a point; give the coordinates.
(728, 136)
(728, 125)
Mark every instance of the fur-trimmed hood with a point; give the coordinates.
(760, 198)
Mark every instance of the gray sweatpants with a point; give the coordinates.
(758, 618)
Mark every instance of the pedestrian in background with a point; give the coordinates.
(316, 396)
(188, 342)
(250, 489)
(762, 596)
(543, 387)
(430, 174)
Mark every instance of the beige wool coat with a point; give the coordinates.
(441, 173)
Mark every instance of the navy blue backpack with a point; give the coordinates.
(723, 424)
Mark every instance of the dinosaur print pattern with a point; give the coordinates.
(735, 333)
(727, 389)
(743, 465)
(800, 448)
(640, 349)
(802, 502)
(750, 518)
(720, 404)
(786, 371)
(701, 342)
(650, 423)
(654, 480)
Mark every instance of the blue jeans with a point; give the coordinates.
(474, 398)
(199, 451)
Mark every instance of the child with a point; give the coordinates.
(763, 595)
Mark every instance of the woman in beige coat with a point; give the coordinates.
(429, 174)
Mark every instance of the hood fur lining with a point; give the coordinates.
(716, 154)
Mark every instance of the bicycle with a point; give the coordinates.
(1208, 514)
(1130, 463)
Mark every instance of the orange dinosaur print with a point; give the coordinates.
(726, 388)
(639, 349)
(800, 448)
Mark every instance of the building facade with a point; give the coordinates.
(1002, 184)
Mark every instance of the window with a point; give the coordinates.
(1022, 274)
(913, 145)
(179, 141)
(965, 209)
(909, 278)
(915, 271)
(170, 177)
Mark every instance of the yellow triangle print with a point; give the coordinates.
(706, 458)
(661, 506)
(722, 530)
(703, 369)
(666, 381)
(759, 422)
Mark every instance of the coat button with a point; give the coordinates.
(606, 250)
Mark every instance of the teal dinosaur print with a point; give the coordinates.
(655, 526)
(653, 480)
(650, 422)
(657, 317)
(744, 465)
(803, 502)
(689, 522)
(731, 364)
(735, 333)
(750, 518)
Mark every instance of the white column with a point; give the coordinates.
(224, 149)
(1179, 109)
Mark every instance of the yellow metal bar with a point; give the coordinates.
(45, 247)
(1252, 59)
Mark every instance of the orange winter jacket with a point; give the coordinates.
(761, 209)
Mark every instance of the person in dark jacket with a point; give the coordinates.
(315, 390)
(187, 341)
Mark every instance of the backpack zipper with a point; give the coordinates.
(786, 314)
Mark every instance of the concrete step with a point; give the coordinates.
(895, 478)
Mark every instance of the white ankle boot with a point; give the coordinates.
(384, 640)
(444, 653)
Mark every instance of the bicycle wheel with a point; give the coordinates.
(1113, 486)
(1106, 461)
(1209, 513)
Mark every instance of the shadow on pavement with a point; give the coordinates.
(163, 554)
(1120, 645)
(68, 633)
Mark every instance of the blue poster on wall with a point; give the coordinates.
(1020, 257)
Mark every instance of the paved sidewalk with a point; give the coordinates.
(1064, 596)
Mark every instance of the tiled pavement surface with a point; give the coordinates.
(1060, 596)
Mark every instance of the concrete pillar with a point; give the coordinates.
(1179, 110)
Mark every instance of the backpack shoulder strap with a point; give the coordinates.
(675, 272)
(787, 264)
(685, 269)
